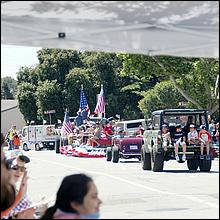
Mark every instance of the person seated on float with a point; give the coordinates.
(108, 130)
(179, 140)
(166, 136)
(192, 136)
(205, 140)
(140, 131)
(97, 134)
(119, 134)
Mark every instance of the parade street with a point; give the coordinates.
(129, 192)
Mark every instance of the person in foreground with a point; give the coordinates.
(77, 198)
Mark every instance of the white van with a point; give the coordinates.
(38, 137)
(131, 126)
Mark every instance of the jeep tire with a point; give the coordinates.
(108, 154)
(57, 148)
(145, 160)
(157, 161)
(205, 165)
(193, 164)
(115, 154)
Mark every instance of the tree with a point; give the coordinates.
(55, 64)
(27, 101)
(5, 92)
(103, 70)
(74, 80)
(188, 75)
(8, 88)
(27, 74)
(163, 96)
(49, 97)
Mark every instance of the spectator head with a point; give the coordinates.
(192, 127)
(164, 126)
(17, 167)
(77, 194)
(178, 127)
(202, 127)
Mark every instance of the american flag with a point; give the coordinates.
(67, 126)
(100, 107)
(83, 102)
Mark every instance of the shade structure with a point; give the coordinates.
(176, 28)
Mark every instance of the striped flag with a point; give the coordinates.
(100, 107)
(67, 126)
(83, 102)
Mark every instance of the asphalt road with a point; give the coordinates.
(129, 192)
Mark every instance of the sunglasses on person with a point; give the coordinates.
(21, 168)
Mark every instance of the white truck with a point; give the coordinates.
(131, 126)
(37, 137)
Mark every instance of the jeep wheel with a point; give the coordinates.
(25, 147)
(109, 154)
(57, 149)
(115, 154)
(193, 164)
(37, 147)
(205, 165)
(145, 160)
(157, 161)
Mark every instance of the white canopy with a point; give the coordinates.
(178, 28)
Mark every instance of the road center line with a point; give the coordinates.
(189, 197)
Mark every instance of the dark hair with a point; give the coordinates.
(8, 195)
(72, 189)
(2, 139)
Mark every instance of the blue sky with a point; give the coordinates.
(13, 57)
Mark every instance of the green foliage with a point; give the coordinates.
(5, 91)
(55, 64)
(191, 76)
(27, 101)
(74, 80)
(163, 96)
(8, 88)
(27, 74)
(49, 97)
(164, 81)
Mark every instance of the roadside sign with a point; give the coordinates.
(49, 112)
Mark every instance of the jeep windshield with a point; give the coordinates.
(184, 120)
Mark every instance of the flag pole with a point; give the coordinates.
(104, 108)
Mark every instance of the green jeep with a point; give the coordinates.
(153, 154)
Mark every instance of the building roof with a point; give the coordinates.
(7, 104)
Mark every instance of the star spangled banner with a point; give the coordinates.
(67, 126)
(100, 106)
(83, 102)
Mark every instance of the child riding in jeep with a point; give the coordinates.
(179, 139)
(166, 136)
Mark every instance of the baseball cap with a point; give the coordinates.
(14, 161)
(164, 125)
(192, 126)
(202, 127)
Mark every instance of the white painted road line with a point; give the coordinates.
(189, 197)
